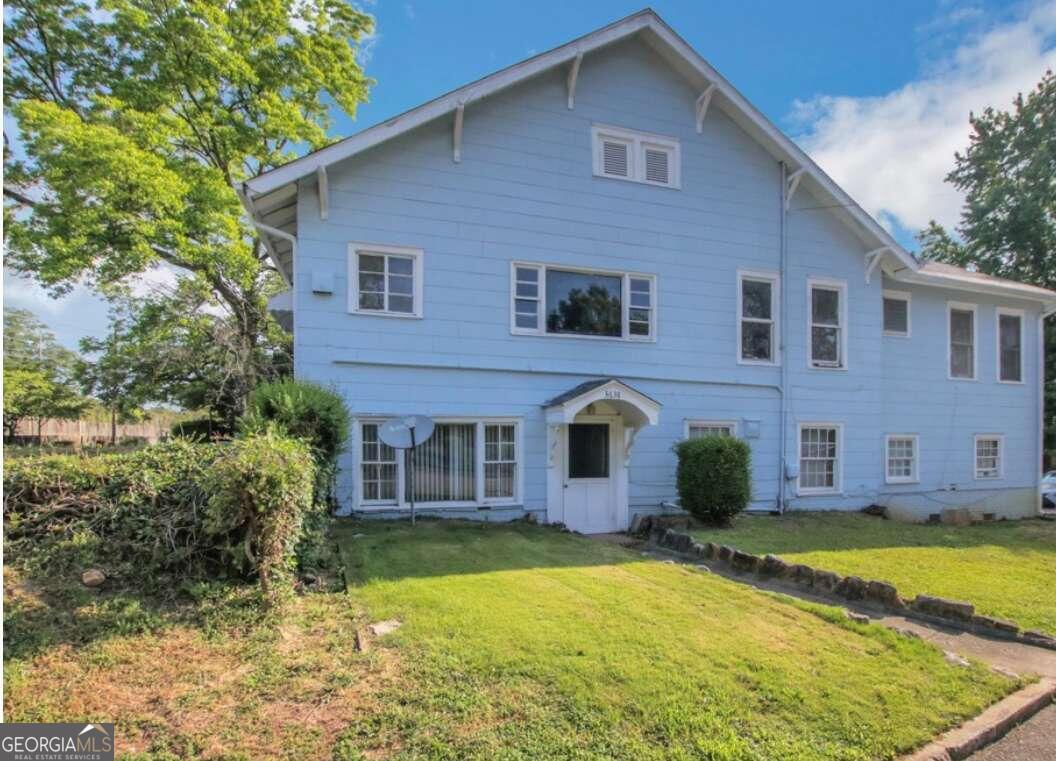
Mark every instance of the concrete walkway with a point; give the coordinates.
(1033, 740)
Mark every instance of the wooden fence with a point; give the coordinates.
(89, 431)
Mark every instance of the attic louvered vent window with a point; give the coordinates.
(636, 156)
(615, 158)
(656, 169)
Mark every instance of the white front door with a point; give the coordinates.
(590, 463)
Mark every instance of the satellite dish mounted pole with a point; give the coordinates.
(410, 471)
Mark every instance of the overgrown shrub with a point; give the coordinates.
(302, 410)
(145, 516)
(714, 477)
(260, 491)
(202, 429)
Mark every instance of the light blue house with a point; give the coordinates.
(579, 260)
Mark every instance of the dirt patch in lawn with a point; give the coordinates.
(205, 686)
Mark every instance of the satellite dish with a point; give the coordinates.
(406, 432)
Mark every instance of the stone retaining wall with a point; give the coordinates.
(877, 594)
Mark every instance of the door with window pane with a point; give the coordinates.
(589, 487)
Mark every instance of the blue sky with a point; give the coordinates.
(877, 92)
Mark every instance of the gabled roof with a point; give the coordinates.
(271, 198)
(272, 187)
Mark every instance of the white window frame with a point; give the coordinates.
(774, 279)
(831, 285)
(837, 487)
(625, 299)
(378, 249)
(1022, 315)
(1000, 439)
(636, 143)
(401, 502)
(689, 423)
(914, 477)
(898, 296)
(962, 306)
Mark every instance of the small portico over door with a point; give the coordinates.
(590, 435)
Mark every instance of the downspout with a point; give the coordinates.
(276, 232)
(782, 449)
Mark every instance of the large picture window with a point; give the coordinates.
(464, 462)
(564, 301)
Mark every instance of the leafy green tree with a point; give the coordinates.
(137, 118)
(30, 392)
(38, 373)
(1008, 223)
(28, 343)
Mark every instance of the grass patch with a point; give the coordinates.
(524, 642)
(1005, 568)
(518, 642)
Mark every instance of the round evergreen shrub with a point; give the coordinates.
(714, 477)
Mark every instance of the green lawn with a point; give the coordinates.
(1007, 569)
(523, 642)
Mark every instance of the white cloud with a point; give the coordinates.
(409, 11)
(892, 152)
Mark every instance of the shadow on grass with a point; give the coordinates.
(836, 531)
(41, 614)
(391, 550)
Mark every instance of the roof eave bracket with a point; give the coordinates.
(573, 77)
(793, 184)
(702, 106)
(457, 137)
(324, 192)
(872, 259)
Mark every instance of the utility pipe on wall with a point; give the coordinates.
(782, 449)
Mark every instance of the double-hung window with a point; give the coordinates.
(757, 310)
(385, 280)
(988, 454)
(625, 154)
(550, 300)
(820, 464)
(961, 324)
(827, 311)
(1009, 345)
(464, 462)
(698, 429)
(896, 313)
(901, 455)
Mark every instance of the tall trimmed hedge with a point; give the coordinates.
(714, 477)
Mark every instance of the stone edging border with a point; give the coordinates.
(878, 594)
(989, 726)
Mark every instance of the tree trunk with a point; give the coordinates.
(40, 434)
(113, 426)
